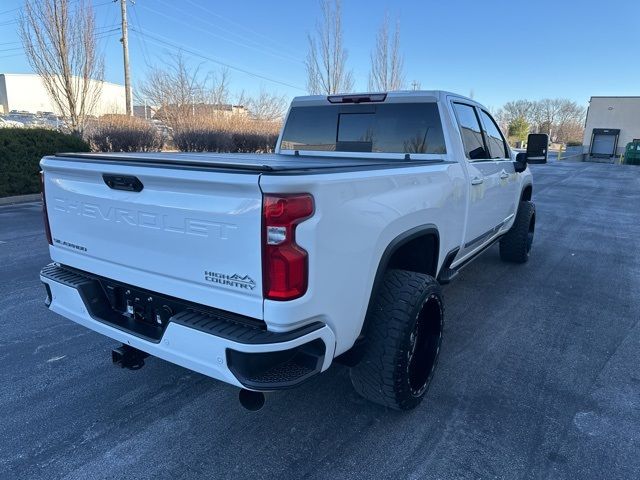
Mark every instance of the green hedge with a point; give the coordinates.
(20, 152)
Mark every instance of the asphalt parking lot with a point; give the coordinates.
(538, 378)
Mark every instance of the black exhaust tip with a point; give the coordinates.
(252, 401)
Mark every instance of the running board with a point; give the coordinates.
(447, 275)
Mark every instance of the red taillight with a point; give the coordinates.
(284, 263)
(47, 228)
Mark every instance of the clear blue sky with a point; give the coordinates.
(499, 50)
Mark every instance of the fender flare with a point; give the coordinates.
(526, 186)
(352, 356)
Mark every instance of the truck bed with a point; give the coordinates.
(268, 163)
(193, 230)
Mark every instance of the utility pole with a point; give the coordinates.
(125, 54)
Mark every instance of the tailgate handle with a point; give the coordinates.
(128, 183)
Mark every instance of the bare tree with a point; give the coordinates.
(173, 89)
(520, 109)
(219, 89)
(555, 116)
(327, 58)
(177, 90)
(387, 63)
(548, 111)
(571, 131)
(61, 47)
(267, 106)
(561, 118)
(569, 121)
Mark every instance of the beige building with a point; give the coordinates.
(611, 123)
(195, 109)
(26, 92)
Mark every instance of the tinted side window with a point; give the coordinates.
(470, 130)
(494, 137)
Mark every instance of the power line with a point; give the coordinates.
(70, 3)
(198, 54)
(112, 28)
(209, 32)
(16, 20)
(243, 27)
(9, 11)
(22, 54)
(113, 18)
(14, 55)
(10, 49)
(141, 41)
(280, 50)
(99, 36)
(9, 22)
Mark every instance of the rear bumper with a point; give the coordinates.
(211, 344)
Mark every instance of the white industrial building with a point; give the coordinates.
(26, 92)
(611, 123)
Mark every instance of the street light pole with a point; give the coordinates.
(125, 54)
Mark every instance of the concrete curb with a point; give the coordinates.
(33, 197)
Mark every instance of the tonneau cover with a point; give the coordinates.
(249, 162)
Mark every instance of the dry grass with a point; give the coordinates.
(122, 133)
(225, 133)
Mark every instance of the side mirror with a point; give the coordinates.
(520, 165)
(537, 145)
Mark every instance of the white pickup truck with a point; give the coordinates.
(260, 270)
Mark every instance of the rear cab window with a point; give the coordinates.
(377, 128)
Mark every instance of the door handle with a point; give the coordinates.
(503, 175)
(477, 180)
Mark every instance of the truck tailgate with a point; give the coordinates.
(194, 234)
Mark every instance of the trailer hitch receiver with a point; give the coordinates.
(128, 357)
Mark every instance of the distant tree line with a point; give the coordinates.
(560, 118)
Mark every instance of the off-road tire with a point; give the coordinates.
(516, 244)
(404, 334)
